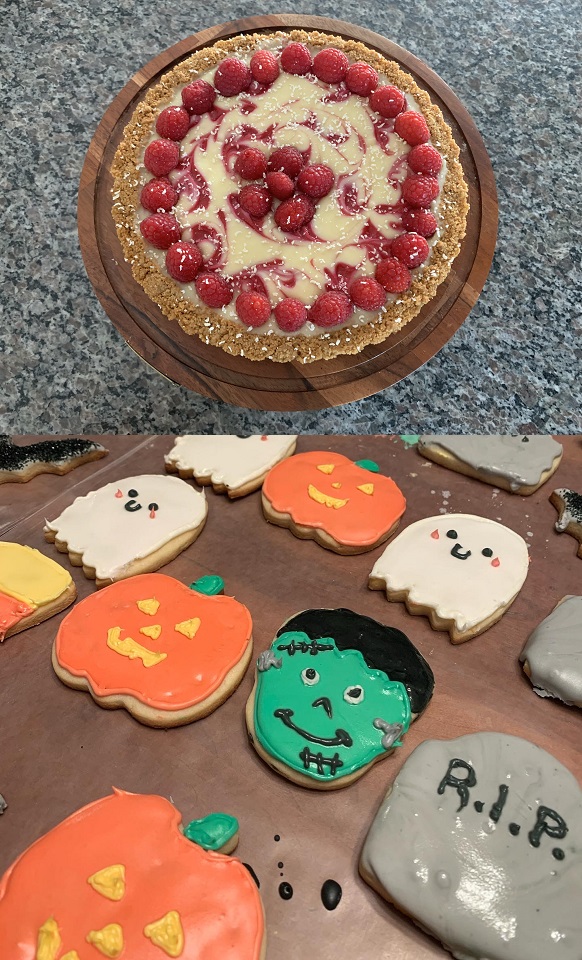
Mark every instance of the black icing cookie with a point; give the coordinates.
(19, 463)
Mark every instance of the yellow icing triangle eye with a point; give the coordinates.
(48, 943)
(109, 882)
(132, 649)
(367, 488)
(189, 628)
(326, 467)
(153, 631)
(108, 940)
(148, 606)
(167, 934)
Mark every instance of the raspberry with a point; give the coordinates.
(264, 67)
(362, 79)
(232, 77)
(367, 293)
(158, 196)
(388, 101)
(419, 191)
(330, 65)
(213, 290)
(161, 229)
(251, 164)
(161, 156)
(296, 59)
(316, 181)
(425, 159)
(173, 123)
(411, 249)
(419, 221)
(199, 97)
(293, 214)
(330, 309)
(183, 261)
(255, 200)
(253, 309)
(393, 275)
(280, 185)
(412, 127)
(290, 314)
(287, 159)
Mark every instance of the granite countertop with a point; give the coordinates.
(513, 366)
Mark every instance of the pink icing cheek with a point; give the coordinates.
(118, 493)
(495, 562)
(435, 535)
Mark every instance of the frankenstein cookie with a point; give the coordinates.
(20, 463)
(32, 588)
(233, 465)
(552, 657)
(568, 503)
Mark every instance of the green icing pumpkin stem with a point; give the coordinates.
(212, 832)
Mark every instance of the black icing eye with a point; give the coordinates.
(132, 493)
(153, 506)
(310, 676)
(354, 694)
(487, 552)
(452, 534)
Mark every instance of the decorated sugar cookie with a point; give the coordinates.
(552, 656)
(233, 465)
(129, 526)
(345, 506)
(166, 653)
(568, 503)
(460, 570)
(32, 588)
(21, 462)
(334, 693)
(118, 879)
(479, 840)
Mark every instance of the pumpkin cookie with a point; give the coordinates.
(32, 588)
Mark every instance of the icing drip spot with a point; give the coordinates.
(133, 650)
(189, 628)
(109, 882)
(325, 499)
(108, 940)
(154, 631)
(367, 488)
(336, 486)
(150, 607)
(167, 933)
(326, 467)
(49, 941)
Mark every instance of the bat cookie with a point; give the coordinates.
(333, 694)
(568, 503)
(460, 570)
(20, 463)
(344, 506)
(166, 653)
(233, 465)
(32, 588)
(128, 527)
(518, 464)
(120, 878)
(479, 841)
(552, 656)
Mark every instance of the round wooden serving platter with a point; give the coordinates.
(266, 385)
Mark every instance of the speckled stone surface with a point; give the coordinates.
(515, 363)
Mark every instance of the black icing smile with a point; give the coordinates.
(342, 737)
(458, 553)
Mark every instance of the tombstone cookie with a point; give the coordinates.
(333, 694)
(128, 527)
(233, 465)
(32, 588)
(19, 463)
(568, 503)
(460, 570)
(552, 656)
(479, 840)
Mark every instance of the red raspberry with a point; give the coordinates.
(287, 159)
(419, 191)
(161, 156)
(161, 229)
(253, 309)
(290, 314)
(411, 249)
(251, 164)
(330, 65)
(316, 181)
(296, 59)
(419, 221)
(213, 290)
(425, 159)
(158, 196)
(264, 67)
(232, 77)
(293, 214)
(388, 101)
(412, 127)
(393, 275)
(183, 261)
(199, 96)
(362, 79)
(173, 123)
(280, 185)
(255, 200)
(330, 309)
(367, 293)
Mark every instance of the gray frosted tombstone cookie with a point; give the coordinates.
(552, 656)
(480, 842)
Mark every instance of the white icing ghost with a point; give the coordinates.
(127, 520)
(462, 566)
(229, 461)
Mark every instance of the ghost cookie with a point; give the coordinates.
(552, 656)
(345, 506)
(167, 653)
(128, 527)
(460, 570)
(20, 463)
(233, 465)
(333, 694)
(479, 840)
(32, 588)
(568, 503)
(121, 879)
(518, 464)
